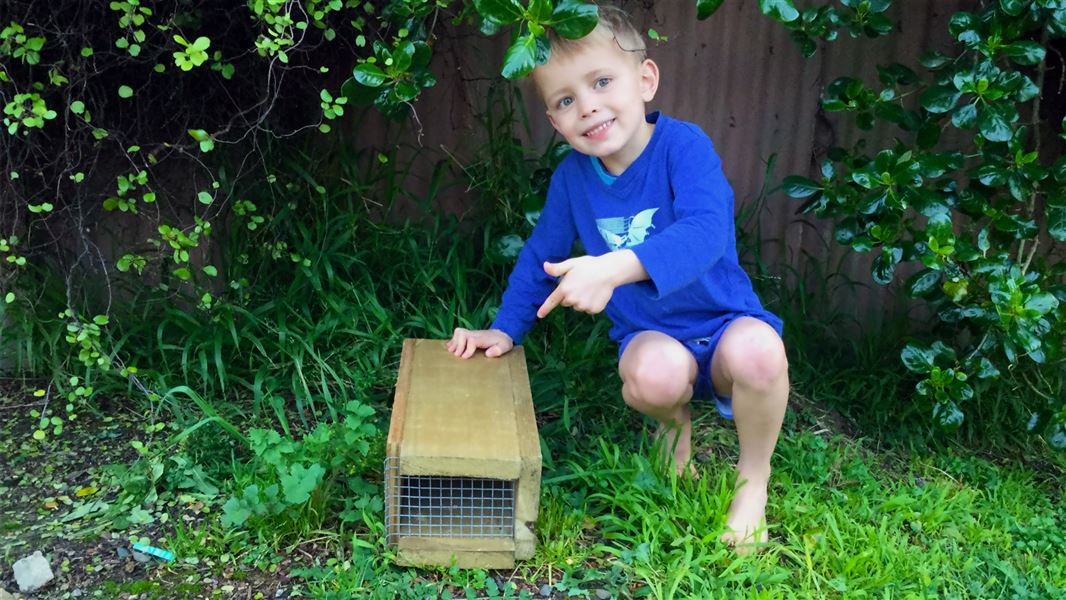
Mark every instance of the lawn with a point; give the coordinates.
(860, 506)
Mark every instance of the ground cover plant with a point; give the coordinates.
(226, 400)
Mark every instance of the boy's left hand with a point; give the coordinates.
(586, 284)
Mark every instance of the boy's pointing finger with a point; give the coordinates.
(550, 303)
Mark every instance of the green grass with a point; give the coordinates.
(842, 524)
(847, 520)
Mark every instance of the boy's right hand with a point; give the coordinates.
(465, 342)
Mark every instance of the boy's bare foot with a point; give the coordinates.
(677, 436)
(746, 523)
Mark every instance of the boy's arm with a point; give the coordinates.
(703, 207)
(529, 285)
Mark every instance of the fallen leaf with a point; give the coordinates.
(85, 491)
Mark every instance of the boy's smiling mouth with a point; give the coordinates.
(599, 131)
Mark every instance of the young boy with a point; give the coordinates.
(646, 195)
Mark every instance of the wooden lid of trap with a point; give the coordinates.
(462, 418)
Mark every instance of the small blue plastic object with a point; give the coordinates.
(152, 550)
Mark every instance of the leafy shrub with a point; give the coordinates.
(983, 218)
(290, 474)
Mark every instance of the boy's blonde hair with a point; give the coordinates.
(615, 23)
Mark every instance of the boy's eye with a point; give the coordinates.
(603, 81)
(566, 102)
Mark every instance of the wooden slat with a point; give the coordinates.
(468, 544)
(525, 540)
(392, 445)
(399, 399)
(527, 495)
(463, 560)
(460, 416)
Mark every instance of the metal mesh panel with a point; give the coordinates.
(436, 506)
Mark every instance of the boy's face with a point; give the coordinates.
(595, 97)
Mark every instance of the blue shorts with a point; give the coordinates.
(702, 350)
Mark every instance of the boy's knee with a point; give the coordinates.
(759, 362)
(660, 380)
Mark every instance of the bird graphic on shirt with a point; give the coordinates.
(626, 232)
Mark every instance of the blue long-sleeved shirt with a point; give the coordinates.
(673, 208)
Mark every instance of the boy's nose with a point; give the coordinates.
(588, 107)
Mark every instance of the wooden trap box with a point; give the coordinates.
(462, 463)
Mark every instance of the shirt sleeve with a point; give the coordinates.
(703, 211)
(529, 286)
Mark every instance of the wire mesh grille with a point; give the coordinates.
(436, 506)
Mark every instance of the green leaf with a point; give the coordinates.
(940, 99)
(922, 282)
(406, 91)
(706, 8)
(985, 369)
(1025, 53)
(933, 60)
(1057, 23)
(947, 415)
(797, 186)
(423, 54)
(234, 513)
(369, 75)
(488, 27)
(780, 10)
(994, 124)
(359, 94)
(300, 481)
(402, 57)
(204, 198)
(992, 175)
(917, 358)
(199, 135)
(1056, 435)
(884, 265)
(125, 91)
(9, 298)
(210, 270)
(1056, 221)
(1013, 7)
(1042, 303)
(574, 19)
(505, 249)
(540, 10)
(77, 107)
(928, 135)
(965, 116)
(504, 12)
(520, 58)
(863, 178)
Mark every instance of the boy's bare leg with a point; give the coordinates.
(657, 375)
(750, 365)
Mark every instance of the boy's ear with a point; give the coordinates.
(649, 79)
